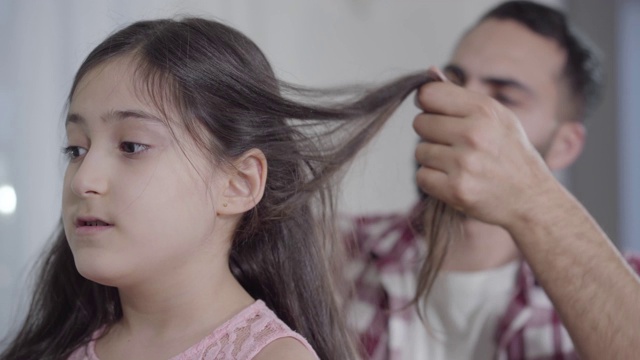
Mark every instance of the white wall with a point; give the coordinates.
(628, 77)
(327, 42)
(606, 177)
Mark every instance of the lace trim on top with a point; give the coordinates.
(240, 338)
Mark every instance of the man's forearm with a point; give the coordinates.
(595, 292)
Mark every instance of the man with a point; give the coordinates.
(531, 258)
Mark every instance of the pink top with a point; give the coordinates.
(241, 337)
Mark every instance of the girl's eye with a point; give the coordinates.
(132, 148)
(73, 152)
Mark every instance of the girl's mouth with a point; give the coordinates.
(90, 221)
(91, 226)
(94, 223)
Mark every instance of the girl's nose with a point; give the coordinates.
(90, 177)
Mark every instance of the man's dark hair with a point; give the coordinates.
(583, 67)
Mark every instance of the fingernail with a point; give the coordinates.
(437, 74)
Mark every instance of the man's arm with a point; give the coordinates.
(476, 157)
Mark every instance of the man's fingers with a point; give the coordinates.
(436, 75)
(447, 98)
(435, 156)
(432, 182)
(439, 129)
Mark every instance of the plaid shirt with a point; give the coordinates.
(384, 263)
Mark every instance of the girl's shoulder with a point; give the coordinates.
(286, 348)
(247, 334)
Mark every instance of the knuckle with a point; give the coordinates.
(475, 139)
(460, 190)
(423, 96)
(486, 108)
(468, 163)
(422, 180)
(420, 153)
(418, 123)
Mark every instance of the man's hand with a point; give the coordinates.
(476, 157)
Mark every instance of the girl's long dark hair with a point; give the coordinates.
(220, 81)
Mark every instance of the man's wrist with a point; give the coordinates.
(542, 212)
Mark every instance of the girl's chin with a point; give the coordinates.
(103, 275)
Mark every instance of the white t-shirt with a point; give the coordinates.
(462, 311)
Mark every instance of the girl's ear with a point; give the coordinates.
(245, 183)
(567, 145)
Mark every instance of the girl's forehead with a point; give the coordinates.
(110, 81)
(116, 70)
(117, 84)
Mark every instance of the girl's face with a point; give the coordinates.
(135, 203)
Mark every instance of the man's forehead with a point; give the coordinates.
(507, 49)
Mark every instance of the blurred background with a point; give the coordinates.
(315, 43)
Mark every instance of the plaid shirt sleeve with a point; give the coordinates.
(531, 328)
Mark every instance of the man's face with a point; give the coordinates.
(520, 69)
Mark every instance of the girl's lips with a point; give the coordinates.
(92, 230)
(88, 225)
(90, 221)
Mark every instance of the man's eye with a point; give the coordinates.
(73, 152)
(504, 100)
(456, 76)
(132, 148)
(455, 80)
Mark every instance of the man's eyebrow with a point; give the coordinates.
(457, 72)
(507, 82)
(497, 81)
(116, 115)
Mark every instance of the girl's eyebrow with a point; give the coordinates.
(116, 115)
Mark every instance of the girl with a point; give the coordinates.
(197, 205)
